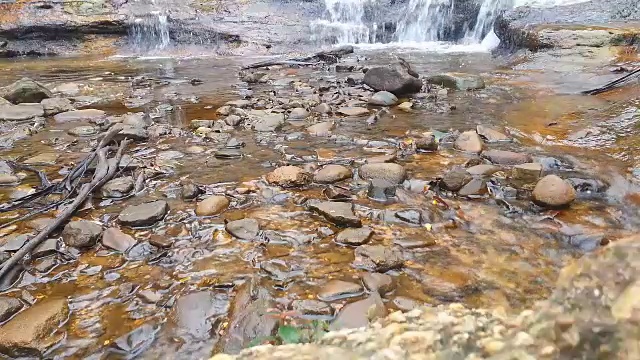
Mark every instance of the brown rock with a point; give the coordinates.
(360, 313)
(355, 236)
(81, 234)
(382, 283)
(332, 173)
(144, 214)
(455, 179)
(391, 172)
(504, 157)
(339, 213)
(289, 176)
(213, 205)
(338, 289)
(377, 258)
(553, 191)
(490, 134)
(469, 141)
(115, 239)
(526, 175)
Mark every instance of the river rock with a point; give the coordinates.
(355, 236)
(383, 98)
(381, 190)
(394, 79)
(322, 108)
(130, 132)
(332, 173)
(8, 179)
(47, 248)
(54, 106)
(83, 131)
(377, 258)
(339, 213)
(213, 205)
(20, 112)
(338, 289)
(268, 122)
(242, 103)
(92, 115)
(68, 89)
(289, 176)
(81, 233)
(410, 216)
(553, 191)
(14, 242)
(457, 81)
(525, 175)
(30, 332)
(42, 159)
(427, 142)
(233, 120)
(321, 129)
(190, 191)
(483, 170)
(118, 187)
(391, 172)
(298, 114)
(195, 314)
(311, 307)
(358, 314)
(8, 307)
(114, 238)
(474, 187)
(504, 157)
(376, 282)
(455, 179)
(491, 135)
(144, 214)
(469, 141)
(137, 120)
(25, 90)
(245, 229)
(352, 111)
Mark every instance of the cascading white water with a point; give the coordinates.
(423, 20)
(151, 32)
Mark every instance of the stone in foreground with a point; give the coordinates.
(355, 236)
(289, 176)
(8, 307)
(213, 205)
(383, 98)
(504, 157)
(20, 112)
(81, 234)
(25, 90)
(378, 258)
(145, 214)
(332, 173)
(245, 229)
(339, 213)
(338, 289)
(457, 81)
(469, 141)
(391, 172)
(114, 238)
(394, 79)
(553, 191)
(29, 334)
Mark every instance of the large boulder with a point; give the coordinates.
(395, 79)
(25, 90)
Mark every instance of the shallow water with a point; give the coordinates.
(478, 252)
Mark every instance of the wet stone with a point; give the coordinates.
(92, 115)
(383, 98)
(150, 296)
(394, 78)
(355, 236)
(228, 154)
(332, 173)
(298, 114)
(415, 243)
(131, 132)
(338, 289)
(553, 191)
(338, 213)
(469, 141)
(20, 112)
(455, 179)
(377, 258)
(83, 131)
(391, 172)
(475, 187)
(311, 307)
(245, 229)
(140, 251)
(289, 176)
(360, 313)
(526, 175)
(118, 187)
(426, 143)
(8, 307)
(47, 248)
(81, 233)
(161, 241)
(25, 90)
(321, 129)
(483, 170)
(410, 216)
(45, 265)
(406, 304)
(353, 111)
(213, 205)
(144, 214)
(457, 81)
(114, 238)
(276, 269)
(190, 191)
(491, 135)
(197, 123)
(268, 122)
(376, 282)
(42, 159)
(54, 106)
(504, 157)
(29, 333)
(322, 108)
(8, 179)
(14, 242)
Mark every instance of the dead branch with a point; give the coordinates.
(103, 172)
(326, 56)
(615, 84)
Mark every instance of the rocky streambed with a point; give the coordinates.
(332, 195)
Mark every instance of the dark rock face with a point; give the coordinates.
(394, 79)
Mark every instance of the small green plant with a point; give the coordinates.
(292, 329)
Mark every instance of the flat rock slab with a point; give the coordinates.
(20, 112)
(378, 258)
(457, 81)
(353, 111)
(81, 233)
(8, 307)
(30, 332)
(79, 115)
(504, 157)
(390, 172)
(338, 289)
(359, 313)
(355, 236)
(114, 238)
(245, 229)
(339, 213)
(145, 214)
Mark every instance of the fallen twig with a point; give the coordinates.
(327, 56)
(614, 84)
(103, 172)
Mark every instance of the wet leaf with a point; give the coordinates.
(289, 334)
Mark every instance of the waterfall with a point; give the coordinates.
(346, 21)
(425, 20)
(150, 32)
